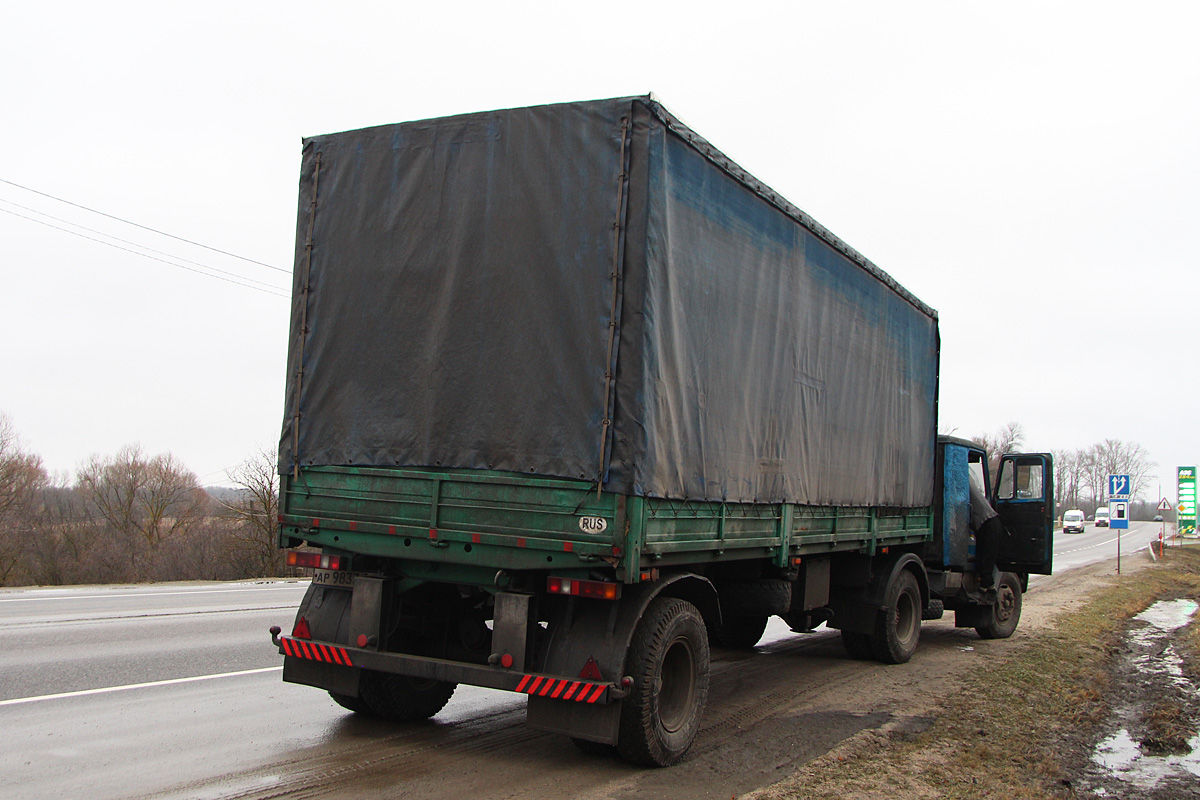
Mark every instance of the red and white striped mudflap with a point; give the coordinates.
(562, 688)
(315, 651)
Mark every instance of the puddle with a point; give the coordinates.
(1152, 671)
(1123, 758)
(1169, 615)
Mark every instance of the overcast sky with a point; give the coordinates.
(1030, 170)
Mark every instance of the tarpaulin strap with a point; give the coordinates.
(303, 333)
(622, 179)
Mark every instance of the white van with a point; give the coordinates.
(1102, 517)
(1073, 521)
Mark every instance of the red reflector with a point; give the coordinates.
(301, 629)
(591, 670)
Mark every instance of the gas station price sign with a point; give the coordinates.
(1186, 496)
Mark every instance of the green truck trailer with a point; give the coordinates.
(572, 397)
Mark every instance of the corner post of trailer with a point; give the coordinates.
(634, 535)
(787, 521)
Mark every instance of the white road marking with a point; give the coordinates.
(148, 594)
(107, 689)
(1101, 544)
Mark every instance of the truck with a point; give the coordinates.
(573, 399)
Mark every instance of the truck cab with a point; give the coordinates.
(1023, 500)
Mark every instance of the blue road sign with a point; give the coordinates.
(1118, 514)
(1118, 487)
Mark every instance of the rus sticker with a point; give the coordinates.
(593, 524)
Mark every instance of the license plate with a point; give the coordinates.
(333, 577)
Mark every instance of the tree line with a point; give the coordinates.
(133, 517)
(1081, 476)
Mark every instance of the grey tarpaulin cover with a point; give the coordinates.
(488, 290)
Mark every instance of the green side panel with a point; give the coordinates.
(501, 520)
(486, 520)
(679, 527)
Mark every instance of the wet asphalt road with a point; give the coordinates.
(133, 691)
(1099, 544)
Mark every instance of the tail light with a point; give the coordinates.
(601, 590)
(316, 560)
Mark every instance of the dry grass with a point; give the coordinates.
(1170, 726)
(1017, 727)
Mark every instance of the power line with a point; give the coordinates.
(144, 227)
(128, 242)
(145, 255)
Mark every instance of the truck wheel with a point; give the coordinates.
(898, 626)
(349, 703)
(1006, 612)
(858, 645)
(741, 633)
(761, 597)
(668, 661)
(400, 698)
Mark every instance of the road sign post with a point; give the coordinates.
(1163, 507)
(1118, 508)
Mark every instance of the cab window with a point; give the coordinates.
(976, 471)
(1021, 479)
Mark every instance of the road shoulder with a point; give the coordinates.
(1024, 722)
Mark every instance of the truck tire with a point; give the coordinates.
(668, 660)
(1006, 612)
(740, 633)
(898, 626)
(349, 703)
(400, 698)
(858, 645)
(761, 597)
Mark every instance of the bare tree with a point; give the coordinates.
(1008, 439)
(1061, 482)
(256, 510)
(22, 477)
(1070, 474)
(150, 499)
(1114, 457)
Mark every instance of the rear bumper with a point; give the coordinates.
(338, 658)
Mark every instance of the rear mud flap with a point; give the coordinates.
(326, 613)
(599, 722)
(330, 677)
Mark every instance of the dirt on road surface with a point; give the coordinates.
(770, 713)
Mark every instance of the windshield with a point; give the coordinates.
(1073, 516)
(1101, 512)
